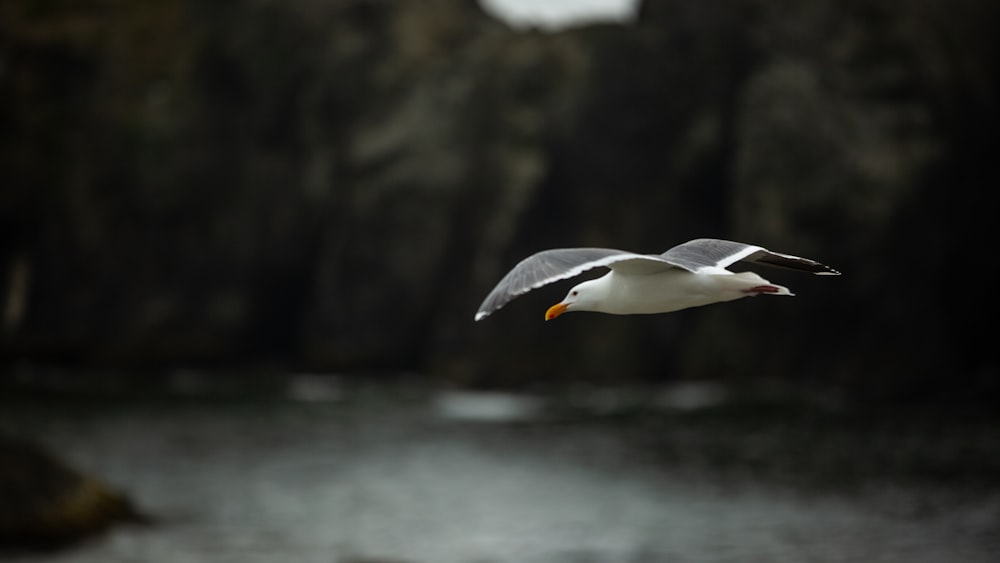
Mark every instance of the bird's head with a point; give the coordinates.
(586, 296)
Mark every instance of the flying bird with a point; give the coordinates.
(691, 274)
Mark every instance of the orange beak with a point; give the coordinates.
(555, 310)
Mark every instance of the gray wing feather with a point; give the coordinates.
(704, 253)
(550, 266)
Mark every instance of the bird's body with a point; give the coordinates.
(688, 275)
(673, 290)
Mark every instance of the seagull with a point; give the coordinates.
(691, 274)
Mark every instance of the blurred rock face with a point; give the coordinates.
(338, 184)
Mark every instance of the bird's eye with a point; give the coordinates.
(574, 293)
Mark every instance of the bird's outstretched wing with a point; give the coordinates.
(698, 254)
(550, 266)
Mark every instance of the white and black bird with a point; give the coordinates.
(688, 275)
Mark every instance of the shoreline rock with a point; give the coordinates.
(45, 504)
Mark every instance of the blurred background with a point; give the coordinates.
(242, 244)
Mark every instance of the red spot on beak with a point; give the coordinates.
(555, 310)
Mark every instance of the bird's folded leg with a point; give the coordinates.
(763, 289)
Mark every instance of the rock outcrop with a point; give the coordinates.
(45, 504)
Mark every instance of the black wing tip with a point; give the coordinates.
(791, 262)
(819, 268)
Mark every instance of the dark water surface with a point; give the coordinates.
(322, 471)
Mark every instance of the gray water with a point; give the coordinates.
(324, 472)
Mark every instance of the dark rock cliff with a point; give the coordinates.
(336, 185)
